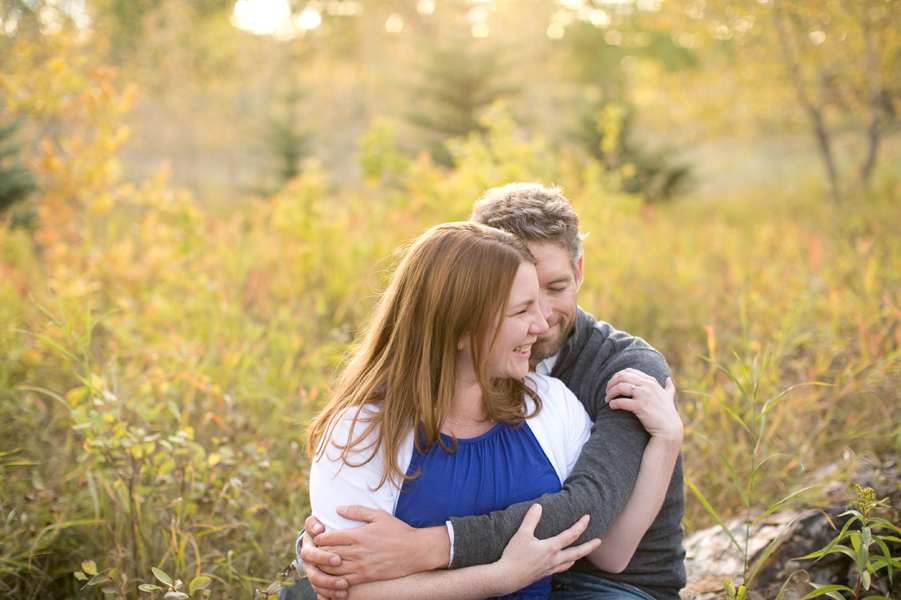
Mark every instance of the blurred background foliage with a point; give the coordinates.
(200, 200)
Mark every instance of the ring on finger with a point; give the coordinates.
(632, 391)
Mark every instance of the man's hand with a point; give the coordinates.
(384, 548)
(315, 559)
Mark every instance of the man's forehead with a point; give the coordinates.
(553, 263)
(552, 276)
(549, 253)
(548, 250)
(555, 271)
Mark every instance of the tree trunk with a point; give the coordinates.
(875, 83)
(814, 111)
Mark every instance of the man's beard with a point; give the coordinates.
(547, 347)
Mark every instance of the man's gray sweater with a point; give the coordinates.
(602, 478)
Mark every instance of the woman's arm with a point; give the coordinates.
(525, 559)
(642, 395)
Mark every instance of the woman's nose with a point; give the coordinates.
(539, 323)
(546, 311)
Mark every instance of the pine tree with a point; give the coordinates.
(287, 143)
(606, 130)
(16, 183)
(459, 81)
(652, 174)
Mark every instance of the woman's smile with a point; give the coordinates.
(519, 327)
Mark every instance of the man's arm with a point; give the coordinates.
(656, 409)
(379, 550)
(599, 484)
(526, 559)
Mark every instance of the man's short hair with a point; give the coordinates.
(533, 213)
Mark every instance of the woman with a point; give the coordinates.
(429, 417)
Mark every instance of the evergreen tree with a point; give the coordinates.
(16, 183)
(286, 142)
(459, 81)
(606, 130)
(652, 174)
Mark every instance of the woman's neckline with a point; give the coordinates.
(472, 440)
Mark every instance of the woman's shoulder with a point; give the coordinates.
(556, 398)
(547, 387)
(561, 426)
(353, 426)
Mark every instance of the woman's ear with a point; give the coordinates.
(464, 341)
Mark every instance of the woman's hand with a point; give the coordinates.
(654, 406)
(527, 559)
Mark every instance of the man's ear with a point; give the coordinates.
(579, 272)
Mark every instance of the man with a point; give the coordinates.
(584, 354)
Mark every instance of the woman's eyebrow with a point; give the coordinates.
(524, 303)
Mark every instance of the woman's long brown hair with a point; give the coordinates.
(455, 280)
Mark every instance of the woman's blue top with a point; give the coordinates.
(490, 472)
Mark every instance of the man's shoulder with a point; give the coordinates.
(596, 335)
(598, 348)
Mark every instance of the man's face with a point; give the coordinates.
(558, 286)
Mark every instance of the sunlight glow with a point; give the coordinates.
(262, 17)
(555, 31)
(480, 30)
(687, 40)
(425, 7)
(817, 37)
(50, 21)
(641, 39)
(564, 17)
(309, 19)
(344, 8)
(478, 15)
(648, 5)
(599, 18)
(394, 24)
(78, 13)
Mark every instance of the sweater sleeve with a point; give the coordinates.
(599, 484)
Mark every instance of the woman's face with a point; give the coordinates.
(519, 327)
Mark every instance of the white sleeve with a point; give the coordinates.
(577, 428)
(562, 427)
(334, 483)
